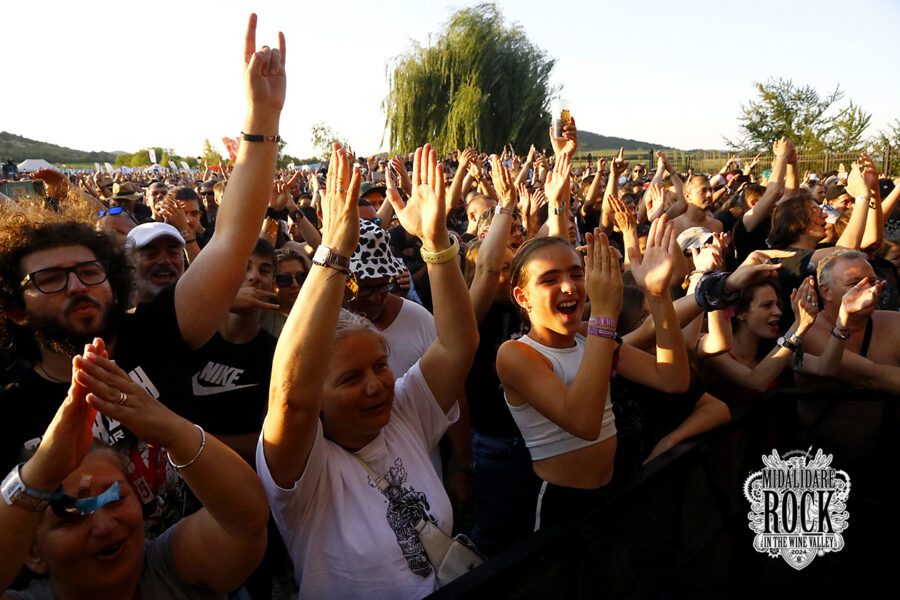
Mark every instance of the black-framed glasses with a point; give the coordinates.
(56, 279)
(112, 211)
(284, 280)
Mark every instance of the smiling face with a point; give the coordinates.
(79, 553)
(551, 290)
(359, 390)
(763, 315)
(159, 264)
(66, 319)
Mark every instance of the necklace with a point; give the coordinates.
(40, 367)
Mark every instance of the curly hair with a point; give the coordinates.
(27, 227)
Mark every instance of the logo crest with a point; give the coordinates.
(798, 507)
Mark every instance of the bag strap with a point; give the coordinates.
(379, 482)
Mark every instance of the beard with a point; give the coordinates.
(56, 337)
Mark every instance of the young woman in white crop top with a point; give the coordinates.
(556, 380)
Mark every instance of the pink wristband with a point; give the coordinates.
(604, 333)
(605, 322)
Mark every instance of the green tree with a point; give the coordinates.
(210, 155)
(322, 137)
(811, 120)
(480, 84)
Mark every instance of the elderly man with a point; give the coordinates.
(872, 354)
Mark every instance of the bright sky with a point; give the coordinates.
(121, 75)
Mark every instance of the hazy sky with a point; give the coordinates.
(98, 75)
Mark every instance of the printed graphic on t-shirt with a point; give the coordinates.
(406, 507)
(215, 378)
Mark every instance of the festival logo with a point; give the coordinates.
(798, 509)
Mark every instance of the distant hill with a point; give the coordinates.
(590, 142)
(19, 148)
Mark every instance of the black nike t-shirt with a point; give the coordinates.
(229, 385)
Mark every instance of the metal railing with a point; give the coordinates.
(681, 529)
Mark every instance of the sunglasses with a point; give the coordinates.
(112, 211)
(284, 280)
(207, 193)
(67, 507)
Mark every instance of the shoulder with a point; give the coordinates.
(515, 353)
(412, 310)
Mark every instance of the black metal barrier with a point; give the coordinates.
(681, 529)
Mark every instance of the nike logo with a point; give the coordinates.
(202, 390)
(222, 377)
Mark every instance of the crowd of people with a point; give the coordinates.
(214, 379)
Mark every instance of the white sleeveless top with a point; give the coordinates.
(543, 437)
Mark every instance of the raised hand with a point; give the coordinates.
(654, 271)
(805, 304)
(624, 215)
(250, 298)
(603, 276)
(656, 201)
(503, 183)
(424, 216)
(756, 268)
(568, 143)
(340, 212)
(662, 162)
(279, 197)
(173, 214)
(558, 184)
(619, 164)
(264, 74)
(709, 258)
(861, 296)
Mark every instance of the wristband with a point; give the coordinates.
(505, 211)
(558, 210)
(437, 258)
(872, 203)
(254, 137)
(787, 344)
(604, 333)
(794, 339)
(609, 323)
(16, 492)
(840, 333)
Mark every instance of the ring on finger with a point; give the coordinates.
(123, 397)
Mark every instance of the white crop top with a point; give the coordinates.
(543, 437)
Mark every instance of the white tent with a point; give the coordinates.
(29, 165)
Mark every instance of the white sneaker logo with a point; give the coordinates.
(223, 379)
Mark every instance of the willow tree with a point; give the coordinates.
(480, 83)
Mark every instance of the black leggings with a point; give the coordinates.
(558, 506)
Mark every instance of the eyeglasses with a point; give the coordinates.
(112, 211)
(284, 280)
(56, 279)
(68, 507)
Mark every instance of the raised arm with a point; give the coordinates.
(557, 189)
(220, 545)
(668, 371)
(203, 295)
(489, 263)
(301, 357)
(455, 194)
(617, 167)
(447, 361)
(522, 175)
(762, 210)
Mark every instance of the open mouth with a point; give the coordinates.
(375, 407)
(568, 307)
(111, 551)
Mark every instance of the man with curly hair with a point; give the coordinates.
(62, 283)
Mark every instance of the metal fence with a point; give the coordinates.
(712, 161)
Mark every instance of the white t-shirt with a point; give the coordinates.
(335, 522)
(409, 336)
